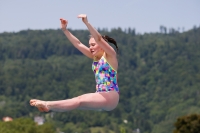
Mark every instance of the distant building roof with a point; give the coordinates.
(7, 118)
(39, 120)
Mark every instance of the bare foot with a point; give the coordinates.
(41, 105)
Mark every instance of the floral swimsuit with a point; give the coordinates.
(105, 76)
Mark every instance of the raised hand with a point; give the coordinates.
(63, 24)
(84, 17)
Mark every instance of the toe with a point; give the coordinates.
(33, 102)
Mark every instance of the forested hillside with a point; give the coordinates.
(159, 78)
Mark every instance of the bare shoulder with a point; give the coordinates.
(112, 60)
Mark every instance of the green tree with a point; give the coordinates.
(25, 125)
(188, 124)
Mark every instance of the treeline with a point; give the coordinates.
(25, 125)
(159, 78)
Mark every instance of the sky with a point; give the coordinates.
(145, 16)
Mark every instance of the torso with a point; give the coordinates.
(105, 75)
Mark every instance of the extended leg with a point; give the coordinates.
(94, 101)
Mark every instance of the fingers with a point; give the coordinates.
(82, 16)
(63, 21)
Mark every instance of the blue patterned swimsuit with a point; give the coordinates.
(105, 76)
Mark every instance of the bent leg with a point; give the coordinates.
(92, 101)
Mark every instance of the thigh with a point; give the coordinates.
(98, 101)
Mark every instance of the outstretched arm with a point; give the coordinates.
(97, 36)
(81, 47)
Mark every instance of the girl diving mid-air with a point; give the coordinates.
(104, 66)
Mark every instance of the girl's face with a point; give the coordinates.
(95, 49)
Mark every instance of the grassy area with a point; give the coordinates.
(100, 130)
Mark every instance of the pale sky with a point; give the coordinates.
(143, 15)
